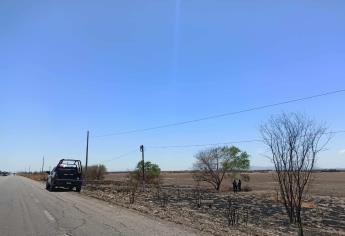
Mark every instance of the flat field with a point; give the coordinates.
(322, 184)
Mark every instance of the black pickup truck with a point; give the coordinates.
(67, 174)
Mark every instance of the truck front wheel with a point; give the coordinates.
(51, 188)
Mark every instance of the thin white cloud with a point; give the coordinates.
(342, 152)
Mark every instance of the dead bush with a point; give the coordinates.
(95, 172)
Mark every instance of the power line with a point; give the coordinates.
(223, 114)
(223, 143)
(200, 145)
(209, 144)
(120, 156)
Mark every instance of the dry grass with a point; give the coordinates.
(35, 176)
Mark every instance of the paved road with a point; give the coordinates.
(26, 208)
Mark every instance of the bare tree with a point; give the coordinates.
(294, 141)
(212, 164)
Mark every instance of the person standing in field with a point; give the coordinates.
(234, 186)
(239, 185)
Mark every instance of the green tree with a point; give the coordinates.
(213, 164)
(152, 172)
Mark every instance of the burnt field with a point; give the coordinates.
(257, 211)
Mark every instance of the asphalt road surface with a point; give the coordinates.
(26, 208)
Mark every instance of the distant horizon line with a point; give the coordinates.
(250, 170)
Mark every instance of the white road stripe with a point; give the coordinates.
(49, 216)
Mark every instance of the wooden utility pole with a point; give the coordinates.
(143, 165)
(87, 152)
(42, 164)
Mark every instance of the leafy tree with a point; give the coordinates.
(152, 172)
(213, 164)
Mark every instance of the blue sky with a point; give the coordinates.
(106, 66)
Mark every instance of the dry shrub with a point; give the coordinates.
(35, 176)
(133, 184)
(95, 172)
